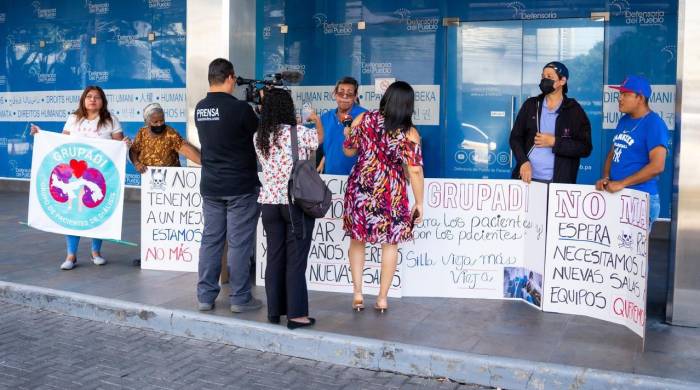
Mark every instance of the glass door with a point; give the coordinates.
(484, 76)
(492, 67)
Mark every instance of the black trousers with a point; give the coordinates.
(288, 244)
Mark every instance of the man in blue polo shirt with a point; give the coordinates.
(334, 161)
(638, 152)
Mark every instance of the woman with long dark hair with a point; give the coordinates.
(91, 119)
(376, 204)
(287, 228)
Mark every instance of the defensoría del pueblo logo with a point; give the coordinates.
(78, 186)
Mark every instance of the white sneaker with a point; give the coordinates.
(68, 265)
(99, 260)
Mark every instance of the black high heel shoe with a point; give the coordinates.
(273, 319)
(295, 324)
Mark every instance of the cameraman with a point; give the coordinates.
(229, 189)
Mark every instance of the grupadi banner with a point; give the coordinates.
(77, 185)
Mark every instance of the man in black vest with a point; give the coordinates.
(229, 189)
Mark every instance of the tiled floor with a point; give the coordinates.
(501, 328)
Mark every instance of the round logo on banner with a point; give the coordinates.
(78, 186)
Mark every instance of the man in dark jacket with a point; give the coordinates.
(551, 133)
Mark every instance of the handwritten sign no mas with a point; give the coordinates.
(171, 219)
(597, 246)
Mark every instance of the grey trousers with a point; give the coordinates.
(235, 219)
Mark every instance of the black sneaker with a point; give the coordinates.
(253, 304)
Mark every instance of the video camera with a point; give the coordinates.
(273, 80)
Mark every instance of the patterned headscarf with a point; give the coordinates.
(150, 110)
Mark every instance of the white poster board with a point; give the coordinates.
(77, 185)
(597, 251)
(328, 268)
(171, 219)
(474, 238)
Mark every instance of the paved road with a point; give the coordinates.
(44, 350)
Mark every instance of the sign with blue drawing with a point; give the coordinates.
(77, 185)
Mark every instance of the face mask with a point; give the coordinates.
(158, 129)
(547, 86)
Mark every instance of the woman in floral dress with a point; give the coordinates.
(376, 204)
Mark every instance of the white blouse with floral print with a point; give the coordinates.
(277, 167)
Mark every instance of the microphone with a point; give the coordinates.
(242, 81)
(347, 120)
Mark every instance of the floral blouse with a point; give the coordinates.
(158, 150)
(277, 167)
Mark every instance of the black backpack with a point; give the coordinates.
(306, 188)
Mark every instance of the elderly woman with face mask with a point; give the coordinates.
(158, 144)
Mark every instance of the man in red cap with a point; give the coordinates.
(639, 148)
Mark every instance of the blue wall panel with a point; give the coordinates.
(48, 57)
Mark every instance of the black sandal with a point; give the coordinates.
(295, 324)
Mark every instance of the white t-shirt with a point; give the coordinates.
(88, 128)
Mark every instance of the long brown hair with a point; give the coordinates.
(81, 112)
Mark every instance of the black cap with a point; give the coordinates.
(560, 68)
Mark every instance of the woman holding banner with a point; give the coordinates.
(287, 228)
(92, 119)
(551, 133)
(376, 204)
(158, 144)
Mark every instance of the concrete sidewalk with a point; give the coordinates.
(492, 343)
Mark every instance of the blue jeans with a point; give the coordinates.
(654, 209)
(231, 219)
(73, 241)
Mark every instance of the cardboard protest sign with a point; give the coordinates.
(171, 218)
(474, 238)
(597, 254)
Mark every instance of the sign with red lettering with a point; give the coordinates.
(171, 219)
(597, 252)
(479, 239)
